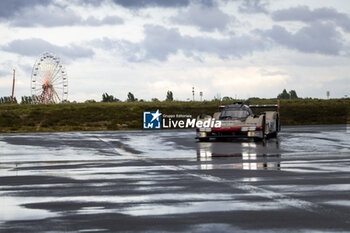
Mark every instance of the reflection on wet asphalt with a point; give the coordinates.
(160, 181)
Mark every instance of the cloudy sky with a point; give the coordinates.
(221, 47)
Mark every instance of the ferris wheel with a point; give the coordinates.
(49, 82)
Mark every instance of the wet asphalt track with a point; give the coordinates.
(160, 181)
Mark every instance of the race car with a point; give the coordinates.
(239, 121)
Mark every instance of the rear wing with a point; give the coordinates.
(267, 105)
(221, 107)
(264, 106)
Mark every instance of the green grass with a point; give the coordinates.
(122, 116)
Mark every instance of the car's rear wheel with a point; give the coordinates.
(264, 127)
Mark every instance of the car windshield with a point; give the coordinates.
(234, 114)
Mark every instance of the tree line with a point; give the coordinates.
(7, 100)
(105, 98)
(24, 100)
(131, 98)
(292, 94)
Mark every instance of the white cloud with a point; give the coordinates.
(160, 43)
(35, 47)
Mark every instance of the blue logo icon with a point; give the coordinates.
(151, 120)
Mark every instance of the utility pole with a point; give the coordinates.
(13, 86)
(201, 94)
(193, 93)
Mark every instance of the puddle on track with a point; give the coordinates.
(198, 207)
(11, 209)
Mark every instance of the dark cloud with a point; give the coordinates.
(151, 3)
(204, 17)
(253, 7)
(34, 47)
(51, 15)
(318, 37)
(9, 7)
(159, 43)
(108, 20)
(304, 14)
(137, 4)
(160, 3)
(58, 16)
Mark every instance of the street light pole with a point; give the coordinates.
(13, 86)
(193, 93)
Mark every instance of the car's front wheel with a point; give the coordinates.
(272, 135)
(203, 139)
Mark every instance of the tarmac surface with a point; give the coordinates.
(166, 181)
